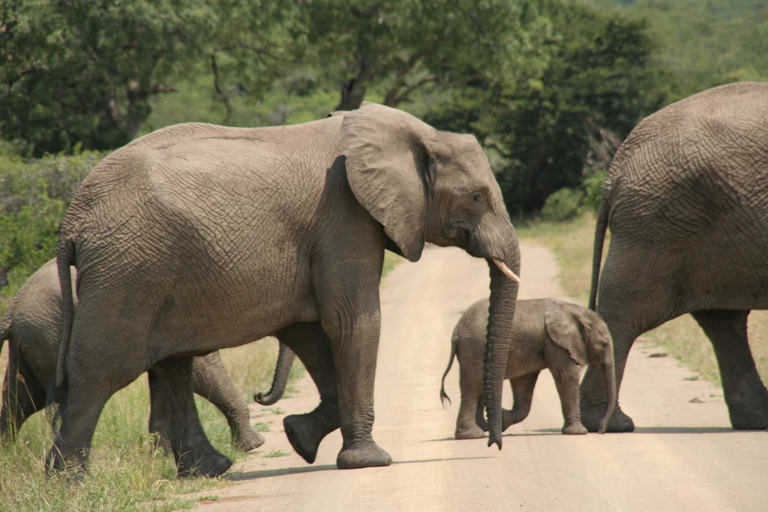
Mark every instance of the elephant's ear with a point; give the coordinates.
(387, 158)
(564, 326)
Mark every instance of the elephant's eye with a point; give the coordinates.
(477, 197)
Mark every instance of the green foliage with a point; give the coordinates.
(34, 196)
(562, 205)
(83, 71)
(400, 46)
(551, 129)
(704, 44)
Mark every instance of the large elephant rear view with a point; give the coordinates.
(200, 237)
(686, 199)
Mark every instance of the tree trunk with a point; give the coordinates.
(353, 91)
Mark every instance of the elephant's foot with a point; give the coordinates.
(574, 429)
(247, 439)
(743, 418)
(210, 464)
(470, 432)
(591, 416)
(362, 454)
(305, 432)
(57, 464)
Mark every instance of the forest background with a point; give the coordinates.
(549, 87)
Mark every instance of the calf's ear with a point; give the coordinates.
(564, 327)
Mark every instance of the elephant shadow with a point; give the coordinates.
(683, 430)
(269, 473)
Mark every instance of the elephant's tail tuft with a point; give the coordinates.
(597, 252)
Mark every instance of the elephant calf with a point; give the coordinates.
(547, 333)
(32, 325)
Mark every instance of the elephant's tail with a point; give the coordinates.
(443, 395)
(5, 325)
(597, 252)
(65, 257)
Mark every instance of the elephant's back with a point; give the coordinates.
(700, 162)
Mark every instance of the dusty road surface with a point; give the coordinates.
(682, 457)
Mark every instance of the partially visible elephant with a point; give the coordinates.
(285, 357)
(686, 200)
(547, 333)
(200, 237)
(32, 326)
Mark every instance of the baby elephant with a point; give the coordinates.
(547, 333)
(32, 325)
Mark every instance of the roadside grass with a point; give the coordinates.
(126, 471)
(571, 242)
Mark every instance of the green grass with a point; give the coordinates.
(571, 242)
(125, 471)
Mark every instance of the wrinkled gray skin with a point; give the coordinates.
(285, 359)
(685, 199)
(200, 237)
(547, 333)
(32, 326)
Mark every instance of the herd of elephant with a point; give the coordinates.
(197, 238)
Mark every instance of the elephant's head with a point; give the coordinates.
(425, 185)
(587, 339)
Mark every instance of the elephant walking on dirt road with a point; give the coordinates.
(32, 326)
(548, 333)
(200, 237)
(686, 200)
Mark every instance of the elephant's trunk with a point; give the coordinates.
(610, 383)
(501, 314)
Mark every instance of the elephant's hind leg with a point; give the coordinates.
(82, 403)
(212, 382)
(170, 384)
(305, 431)
(22, 396)
(522, 391)
(744, 391)
(470, 422)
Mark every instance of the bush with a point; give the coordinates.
(34, 196)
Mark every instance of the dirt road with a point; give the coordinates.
(683, 455)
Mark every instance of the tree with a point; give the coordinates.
(400, 46)
(545, 129)
(84, 71)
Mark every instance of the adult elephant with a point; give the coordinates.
(200, 237)
(32, 326)
(686, 199)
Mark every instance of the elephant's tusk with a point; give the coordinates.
(505, 270)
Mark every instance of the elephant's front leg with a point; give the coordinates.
(567, 382)
(170, 384)
(355, 353)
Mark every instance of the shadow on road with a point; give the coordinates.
(682, 430)
(267, 473)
